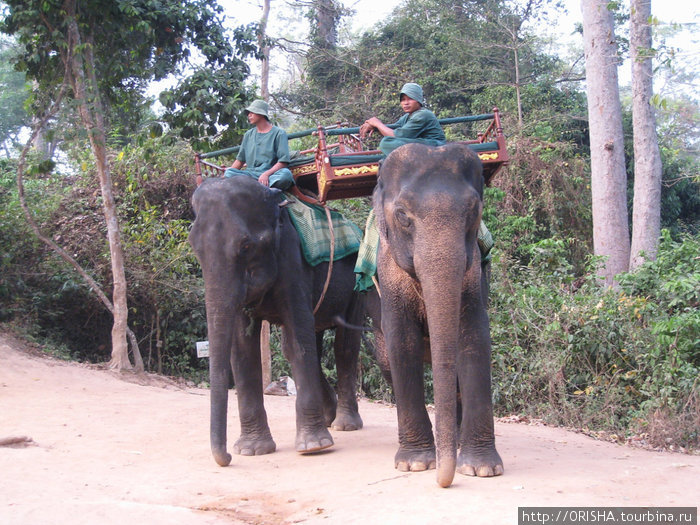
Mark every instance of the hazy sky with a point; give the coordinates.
(371, 11)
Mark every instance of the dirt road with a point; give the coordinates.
(106, 449)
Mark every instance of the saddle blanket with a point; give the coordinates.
(311, 224)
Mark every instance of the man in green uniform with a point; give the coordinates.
(264, 151)
(417, 125)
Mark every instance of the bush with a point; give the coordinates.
(577, 354)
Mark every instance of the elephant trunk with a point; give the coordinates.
(220, 322)
(441, 280)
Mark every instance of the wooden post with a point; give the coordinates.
(265, 355)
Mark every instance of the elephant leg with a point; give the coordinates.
(373, 309)
(330, 401)
(299, 347)
(346, 348)
(404, 341)
(477, 443)
(255, 438)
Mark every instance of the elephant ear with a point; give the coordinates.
(275, 204)
(471, 167)
(378, 207)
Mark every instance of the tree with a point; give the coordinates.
(646, 216)
(265, 49)
(508, 23)
(13, 94)
(106, 52)
(608, 176)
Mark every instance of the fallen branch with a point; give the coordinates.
(16, 441)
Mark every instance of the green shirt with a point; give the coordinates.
(261, 151)
(421, 124)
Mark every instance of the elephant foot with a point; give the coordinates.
(415, 460)
(329, 412)
(249, 446)
(308, 442)
(347, 420)
(482, 463)
(330, 402)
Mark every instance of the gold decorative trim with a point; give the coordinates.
(372, 169)
(304, 169)
(488, 156)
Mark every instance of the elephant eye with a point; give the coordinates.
(402, 218)
(244, 247)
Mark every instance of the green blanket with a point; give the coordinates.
(366, 265)
(312, 225)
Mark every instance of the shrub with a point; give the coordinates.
(575, 353)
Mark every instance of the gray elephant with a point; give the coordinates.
(428, 204)
(254, 270)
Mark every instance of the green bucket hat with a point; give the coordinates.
(259, 107)
(413, 91)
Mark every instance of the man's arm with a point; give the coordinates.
(265, 176)
(374, 123)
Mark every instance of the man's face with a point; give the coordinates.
(408, 104)
(254, 118)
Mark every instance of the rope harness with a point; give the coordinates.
(330, 262)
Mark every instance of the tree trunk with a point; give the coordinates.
(84, 84)
(326, 18)
(608, 175)
(44, 147)
(265, 63)
(646, 216)
(516, 64)
(265, 354)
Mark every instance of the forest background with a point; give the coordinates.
(622, 361)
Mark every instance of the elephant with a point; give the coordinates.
(428, 206)
(254, 270)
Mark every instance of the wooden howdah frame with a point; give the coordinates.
(339, 167)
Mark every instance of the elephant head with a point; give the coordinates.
(237, 233)
(428, 205)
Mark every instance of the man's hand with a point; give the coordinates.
(264, 179)
(366, 129)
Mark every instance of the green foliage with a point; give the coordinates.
(134, 42)
(543, 193)
(153, 184)
(208, 106)
(22, 265)
(584, 356)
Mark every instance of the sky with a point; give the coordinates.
(369, 12)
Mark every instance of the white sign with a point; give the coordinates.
(202, 348)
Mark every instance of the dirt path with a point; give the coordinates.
(107, 450)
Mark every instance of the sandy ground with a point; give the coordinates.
(108, 448)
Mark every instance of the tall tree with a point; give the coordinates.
(323, 68)
(646, 215)
(508, 20)
(13, 94)
(608, 175)
(265, 50)
(106, 52)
